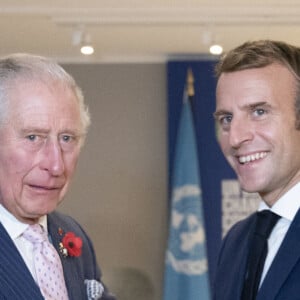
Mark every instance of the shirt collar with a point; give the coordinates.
(286, 206)
(13, 226)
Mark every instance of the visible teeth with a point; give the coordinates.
(252, 157)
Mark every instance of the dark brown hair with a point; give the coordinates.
(258, 54)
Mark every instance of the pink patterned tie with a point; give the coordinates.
(47, 264)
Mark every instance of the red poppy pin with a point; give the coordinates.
(70, 245)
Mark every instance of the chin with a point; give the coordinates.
(250, 188)
(44, 208)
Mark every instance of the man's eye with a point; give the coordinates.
(68, 142)
(31, 137)
(225, 120)
(259, 111)
(66, 138)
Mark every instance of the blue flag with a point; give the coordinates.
(186, 270)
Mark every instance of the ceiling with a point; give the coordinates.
(142, 30)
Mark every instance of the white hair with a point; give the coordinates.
(27, 67)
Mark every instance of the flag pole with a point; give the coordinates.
(190, 83)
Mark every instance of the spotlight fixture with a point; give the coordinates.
(86, 46)
(216, 49)
(87, 49)
(81, 38)
(208, 39)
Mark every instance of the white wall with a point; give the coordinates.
(119, 193)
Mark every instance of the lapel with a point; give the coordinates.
(233, 259)
(71, 266)
(286, 258)
(16, 280)
(240, 256)
(237, 270)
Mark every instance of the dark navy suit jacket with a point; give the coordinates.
(282, 281)
(16, 282)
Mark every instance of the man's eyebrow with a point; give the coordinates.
(257, 104)
(221, 112)
(34, 129)
(250, 106)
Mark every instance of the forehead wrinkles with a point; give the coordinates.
(52, 85)
(39, 124)
(45, 114)
(242, 88)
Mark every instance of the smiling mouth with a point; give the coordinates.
(252, 157)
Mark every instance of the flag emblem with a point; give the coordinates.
(186, 250)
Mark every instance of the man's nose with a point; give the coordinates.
(52, 159)
(241, 131)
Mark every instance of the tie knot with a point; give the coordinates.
(35, 234)
(265, 222)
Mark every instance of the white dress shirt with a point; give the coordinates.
(286, 207)
(15, 229)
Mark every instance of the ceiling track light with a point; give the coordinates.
(83, 39)
(208, 39)
(216, 49)
(87, 49)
